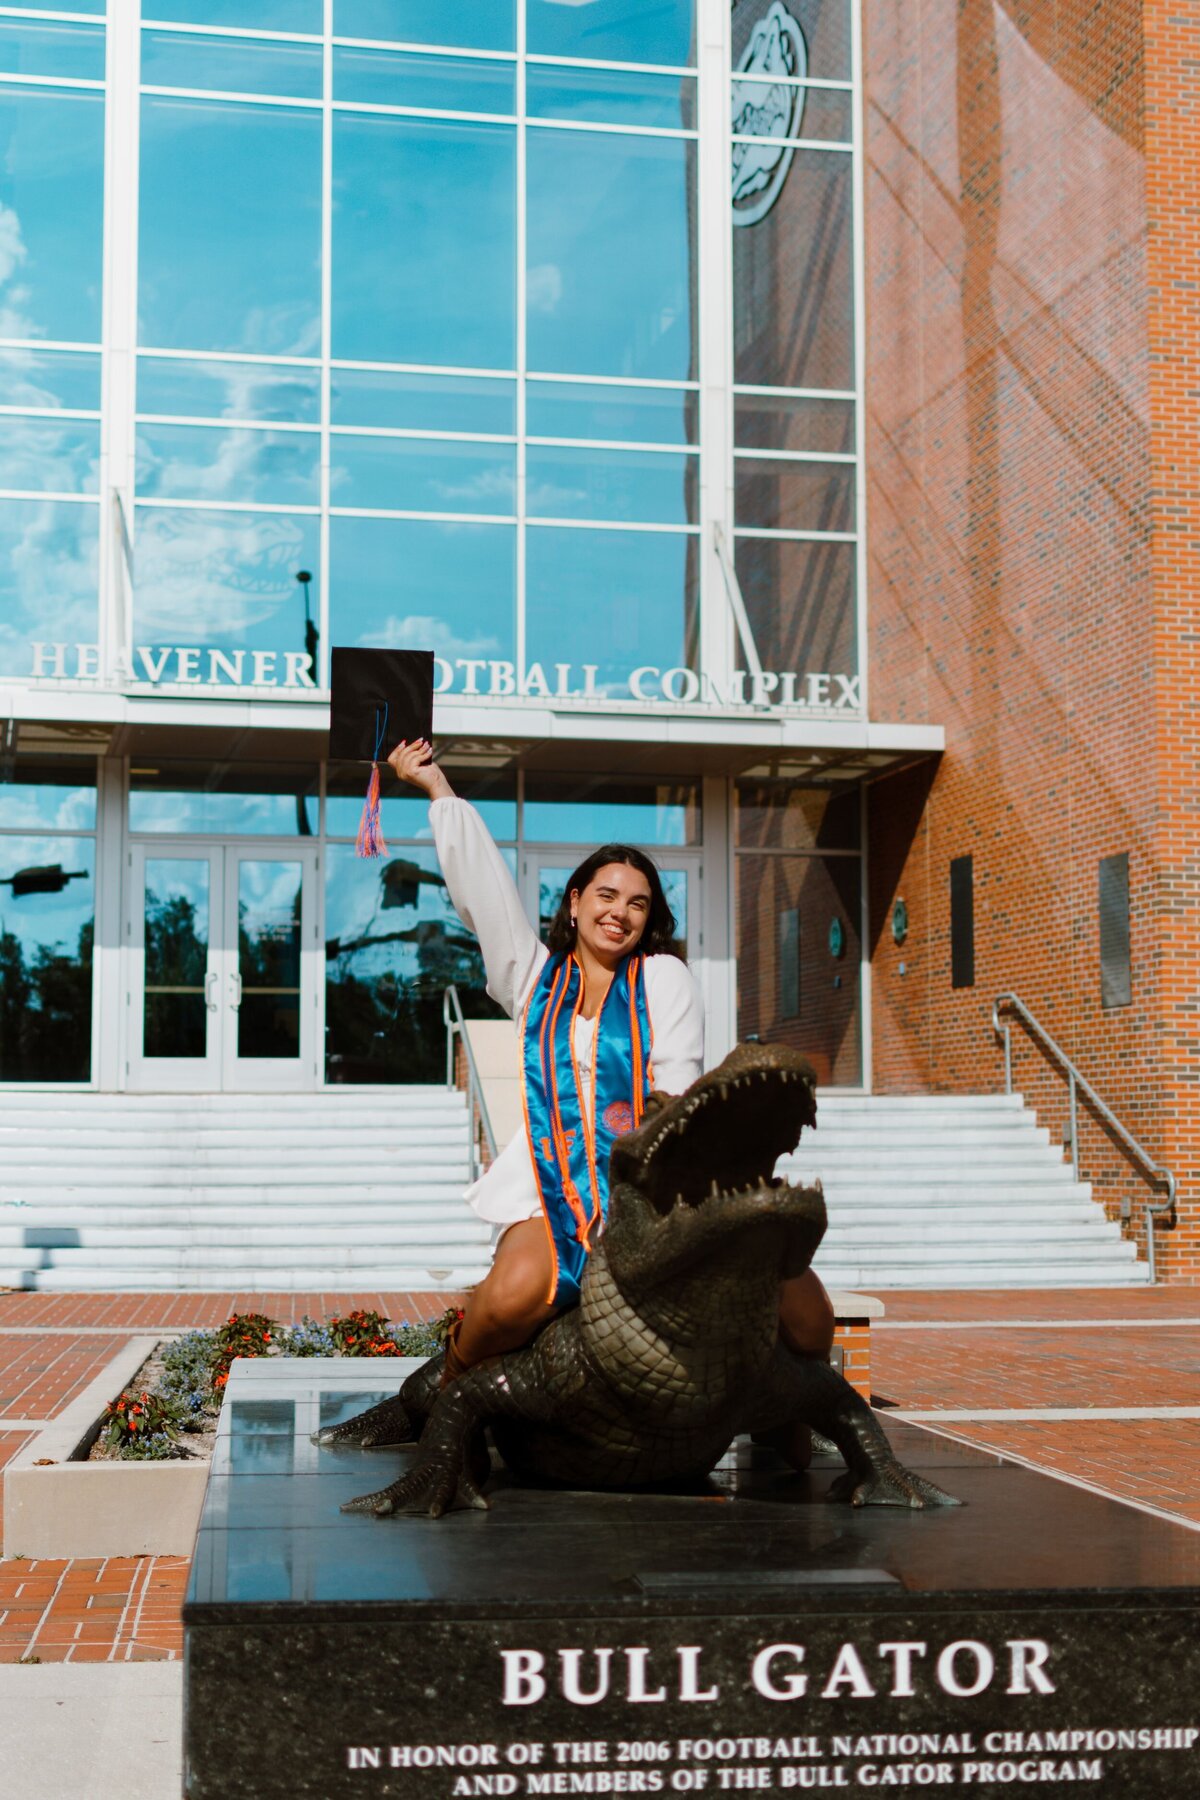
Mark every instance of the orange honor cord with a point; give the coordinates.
(533, 1157)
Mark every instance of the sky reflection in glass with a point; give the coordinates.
(403, 401)
(228, 390)
(617, 599)
(67, 378)
(48, 576)
(201, 462)
(473, 24)
(52, 155)
(231, 65)
(256, 15)
(594, 809)
(212, 276)
(222, 578)
(58, 794)
(652, 31)
(423, 475)
(635, 415)
(68, 51)
(416, 584)
(610, 279)
(650, 487)
(404, 812)
(442, 83)
(424, 241)
(611, 96)
(59, 456)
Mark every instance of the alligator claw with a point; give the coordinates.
(890, 1485)
(435, 1486)
(381, 1426)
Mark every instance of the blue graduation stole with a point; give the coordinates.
(570, 1156)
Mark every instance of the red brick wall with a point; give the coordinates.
(1019, 543)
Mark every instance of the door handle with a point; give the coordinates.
(235, 982)
(210, 988)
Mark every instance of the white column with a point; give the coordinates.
(715, 332)
(110, 1025)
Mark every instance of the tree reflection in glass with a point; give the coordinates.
(46, 941)
(175, 1017)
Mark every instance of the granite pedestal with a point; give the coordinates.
(747, 1637)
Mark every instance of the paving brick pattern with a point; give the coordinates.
(128, 1609)
(41, 1375)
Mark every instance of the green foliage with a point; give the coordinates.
(143, 1426)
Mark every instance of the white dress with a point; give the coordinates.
(486, 900)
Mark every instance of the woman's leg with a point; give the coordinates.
(806, 1325)
(510, 1304)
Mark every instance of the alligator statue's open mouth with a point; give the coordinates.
(723, 1137)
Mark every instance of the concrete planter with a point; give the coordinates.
(56, 1505)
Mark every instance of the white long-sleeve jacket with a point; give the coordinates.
(486, 900)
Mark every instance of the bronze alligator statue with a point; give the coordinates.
(674, 1347)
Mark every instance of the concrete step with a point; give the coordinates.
(383, 1177)
(318, 1259)
(197, 1165)
(1095, 1247)
(124, 1239)
(23, 1143)
(874, 1276)
(908, 1192)
(278, 1278)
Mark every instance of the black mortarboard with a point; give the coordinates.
(378, 699)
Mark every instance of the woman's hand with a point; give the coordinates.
(413, 763)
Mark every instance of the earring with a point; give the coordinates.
(574, 916)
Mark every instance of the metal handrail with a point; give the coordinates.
(1076, 1084)
(456, 1027)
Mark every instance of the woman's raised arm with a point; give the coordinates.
(479, 882)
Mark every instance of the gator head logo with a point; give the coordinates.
(618, 1117)
(767, 106)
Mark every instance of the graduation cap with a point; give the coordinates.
(379, 698)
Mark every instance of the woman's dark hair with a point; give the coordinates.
(658, 939)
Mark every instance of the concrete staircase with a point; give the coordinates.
(342, 1190)
(356, 1188)
(956, 1191)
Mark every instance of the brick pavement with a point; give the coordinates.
(1001, 1350)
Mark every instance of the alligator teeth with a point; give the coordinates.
(723, 1089)
(714, 1190)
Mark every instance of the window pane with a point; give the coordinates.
(611, 283)
(617, 600)
(777, 422)
(781, 110)
(199, 462)
(58, 794)
(221, 580)
(246, 799)
(404, 813)
(794, 496)
(44, 453)
(593, 809)
(423, 402)
(59, 49)
(393, 943)
(50, 378)
(256, 15)
(231, 65)
(443, 83)
(176, 926)
(212, 276)
(52, 154)
(47, 924)
(792, 988)
(423, 475)
(49, 568)
(228, 390)
(611, 96)
(814, 42)
(801, 603)
(476, 24)
(640, 487)
(451, 297)
(793, 310)
(79, 6)
(418, 584)
(636, 414)
(778, 812)
(268, 903)
(654, 31)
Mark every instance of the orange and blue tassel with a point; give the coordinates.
(370, 832)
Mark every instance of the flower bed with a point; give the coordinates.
(176, 1396)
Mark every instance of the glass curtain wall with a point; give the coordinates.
(417, 340)
(796, 517)
(52, 92)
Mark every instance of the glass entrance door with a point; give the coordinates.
(223, 949)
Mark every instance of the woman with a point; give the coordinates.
(610, 954)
